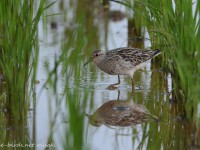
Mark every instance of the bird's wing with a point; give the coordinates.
(133, 55)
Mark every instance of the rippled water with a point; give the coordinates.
(152, 98)
(151, 89)
(152, 92)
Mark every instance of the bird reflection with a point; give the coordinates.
(121, 113)
(113, 15)
(116, 15)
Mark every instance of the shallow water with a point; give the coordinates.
(62, 109)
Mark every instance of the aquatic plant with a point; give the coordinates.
(176, 24)
(174, 28)
(19, 50)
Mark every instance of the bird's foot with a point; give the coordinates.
(112, 86)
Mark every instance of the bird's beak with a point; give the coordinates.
(89, 116)
(89, 60)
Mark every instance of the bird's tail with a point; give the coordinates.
(157, 52)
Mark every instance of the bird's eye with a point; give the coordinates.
(96, 54)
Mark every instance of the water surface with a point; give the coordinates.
(64, 107)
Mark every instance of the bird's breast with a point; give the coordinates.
(115, 67)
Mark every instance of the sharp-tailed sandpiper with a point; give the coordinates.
(122, 61)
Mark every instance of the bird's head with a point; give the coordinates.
(98, 55)
(94, 120)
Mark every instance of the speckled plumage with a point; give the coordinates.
(122, 61)
(121, 113)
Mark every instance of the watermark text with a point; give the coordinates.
(30, 145)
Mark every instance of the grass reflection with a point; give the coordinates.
(74, 89)
(83, 88)
(18, 64)
(76, 47)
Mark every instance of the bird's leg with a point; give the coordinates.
(118, 80)
(132, 85)
(118, 94)
(114, 86)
